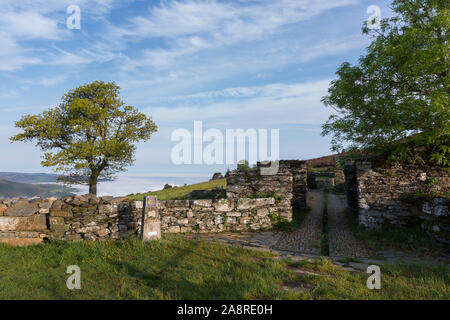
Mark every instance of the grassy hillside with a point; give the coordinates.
(9, 189)
(182, 192)
(29, 177)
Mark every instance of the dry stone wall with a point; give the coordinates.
(339, 179)
(436, 219)
(288, 185)
(79, 218)
(390, 196)
(236, 214)
(70, 218)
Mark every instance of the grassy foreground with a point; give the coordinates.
(178, 269)
(178, 193)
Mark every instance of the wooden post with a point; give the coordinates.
(150, 226)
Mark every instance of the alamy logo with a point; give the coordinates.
(374, 281)
(74, 20)
(226, 150)
(374, 21)
(74, 281)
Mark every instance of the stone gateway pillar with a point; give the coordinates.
(151, 224)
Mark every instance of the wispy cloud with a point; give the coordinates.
(207, 25)
(267, 106)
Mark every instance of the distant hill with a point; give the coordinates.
(10, 189)
(179, 193)
(29, 177)
(326, 161)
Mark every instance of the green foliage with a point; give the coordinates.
(90, 135)
(278, 221)
(242, 165)
(399, 89)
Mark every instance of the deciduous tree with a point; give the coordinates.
(91, 135)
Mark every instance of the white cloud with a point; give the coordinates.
(271, 105)
(25, 20)
(332, 47)
(29, 25)
(192, 26)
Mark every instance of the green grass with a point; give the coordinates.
(404, 238)
(167, 269)
(398, 282)
(174, 268)
(180, 193)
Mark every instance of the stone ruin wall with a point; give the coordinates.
(289, 185)
(24, 221)
(339, 179)
(380, 196)
(203, 216)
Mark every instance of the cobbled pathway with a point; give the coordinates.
(304, 243)
(342, 243)
(306, 239)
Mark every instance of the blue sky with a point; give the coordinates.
(260, 64)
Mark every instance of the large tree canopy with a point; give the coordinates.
(397, 97)
(90, 135)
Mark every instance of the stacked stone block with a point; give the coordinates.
(288, 184)
(385, 196)
(204, 216)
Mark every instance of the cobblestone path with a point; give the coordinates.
(306, 239)
(342, 243)
(304, 243)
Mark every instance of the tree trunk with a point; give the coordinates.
(93, 184)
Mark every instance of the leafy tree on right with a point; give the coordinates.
(395, 102)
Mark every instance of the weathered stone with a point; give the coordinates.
(261, 202)
(244, 204)
(102, 232)
(201, 203)
(58, 224)
(22, 208)
(262, 212)
(113, 229)
(223, 205)
(174, 229)
(3, 208)
(137, 205)
(245, 220)
(62, 211)
(152, 230)
(33, 223)
(108, 209)
(234, 214)
(46, 204)
(177, 204)
(117, 200)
